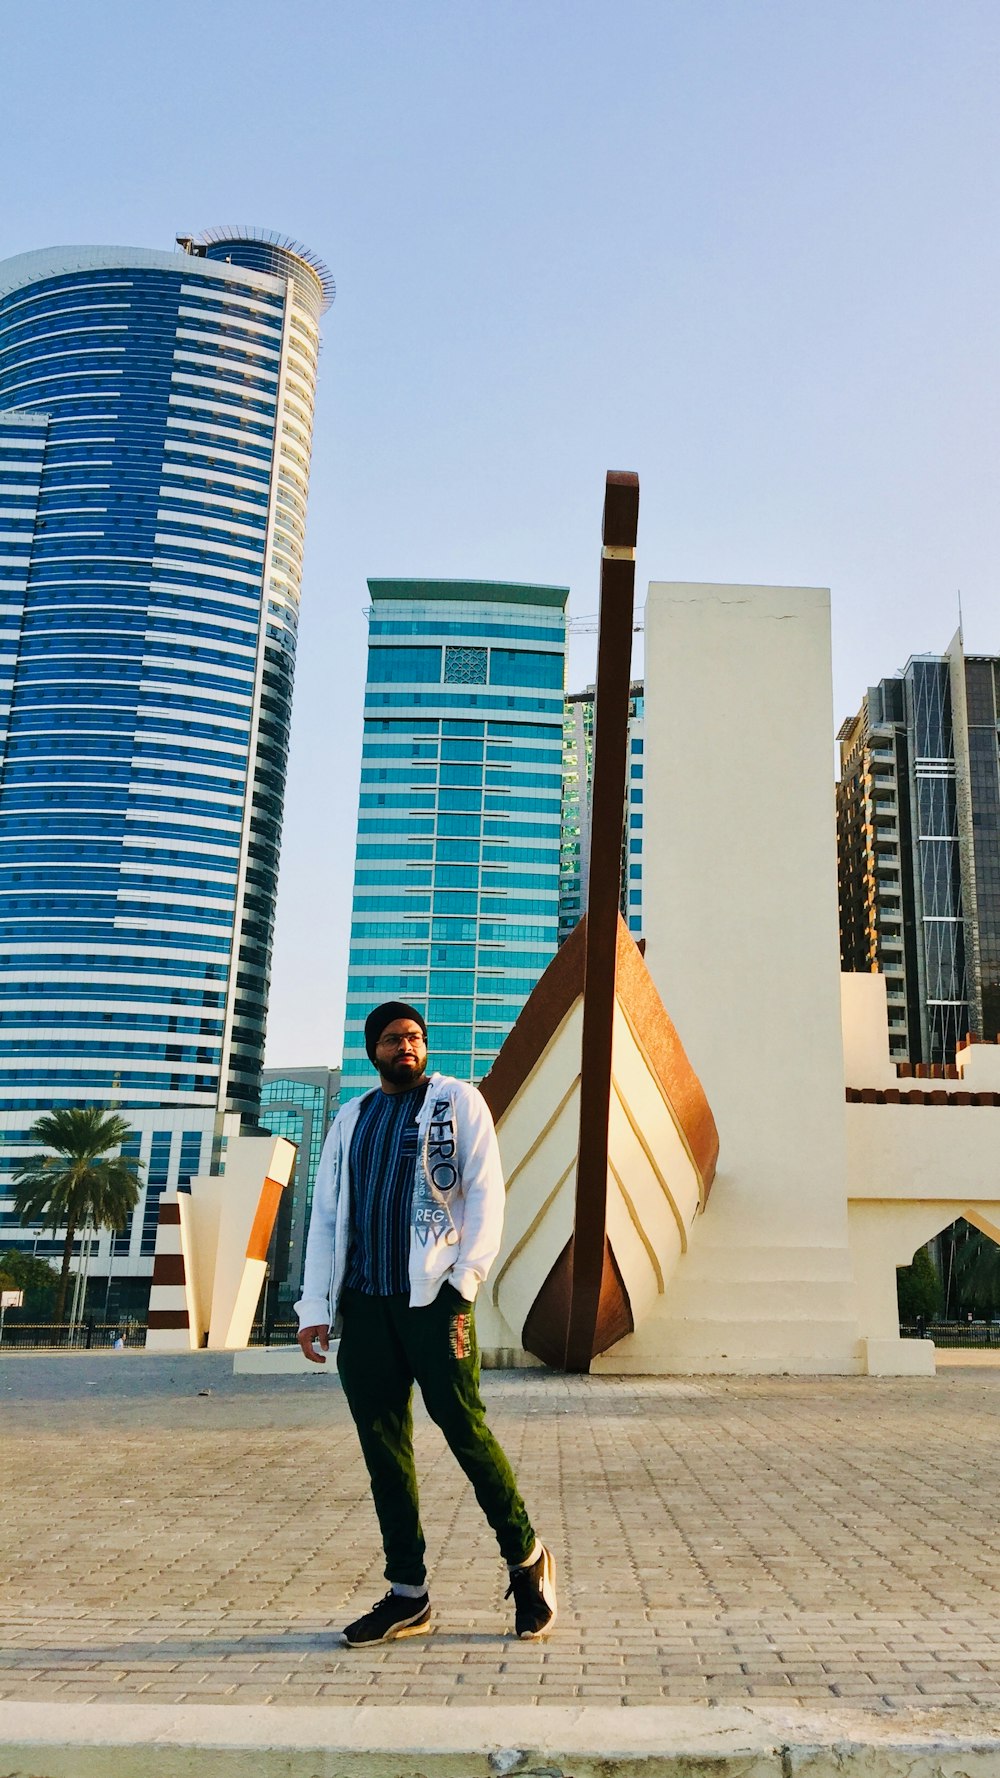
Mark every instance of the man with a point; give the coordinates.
(406, 1222)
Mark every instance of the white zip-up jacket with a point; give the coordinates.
(456, 1217)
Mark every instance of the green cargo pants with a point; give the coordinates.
(385, 1346)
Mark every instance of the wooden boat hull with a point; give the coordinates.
(657, 1168)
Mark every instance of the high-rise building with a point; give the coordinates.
(298, 1103)
(155, 426)
(577, 797)
(918, 816)
(456, 893)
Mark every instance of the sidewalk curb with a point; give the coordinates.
(417, 1741)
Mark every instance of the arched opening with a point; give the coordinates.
(951, 1289)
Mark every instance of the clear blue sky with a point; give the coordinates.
(748, 249)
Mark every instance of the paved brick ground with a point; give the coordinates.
(720, 1540)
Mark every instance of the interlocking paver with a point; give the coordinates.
(719, 1539)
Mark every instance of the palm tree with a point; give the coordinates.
(79, 1181)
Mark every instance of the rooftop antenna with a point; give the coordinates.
(961, 636)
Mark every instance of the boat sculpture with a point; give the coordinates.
(608, 1142)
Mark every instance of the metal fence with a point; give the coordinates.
(276, 1333)
(984, 1334)
(95, 1336)
(85, 1336)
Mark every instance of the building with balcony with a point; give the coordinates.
(456, 889)
(156, 415)
(578, 760)
(918, 823)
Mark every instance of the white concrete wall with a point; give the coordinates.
(740, 884)
(923, 1153)
(979, 1066)
(865, 1015)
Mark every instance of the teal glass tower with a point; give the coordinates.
(456, 890)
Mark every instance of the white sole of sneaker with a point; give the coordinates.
(549, 1595)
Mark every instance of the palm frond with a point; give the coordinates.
(81, 1180)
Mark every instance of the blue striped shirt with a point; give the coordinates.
(382, 1157)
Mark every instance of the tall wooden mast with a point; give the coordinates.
(610, 765)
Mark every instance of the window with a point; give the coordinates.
(456, 876)
(410, 666)
(459, 799)
(462, 749)
(461, 774)
(470, 825)
(522, 666)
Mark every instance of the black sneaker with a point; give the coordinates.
(392, 1617)
(534, 1591)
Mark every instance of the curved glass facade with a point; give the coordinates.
(155, 429)
(269, 252)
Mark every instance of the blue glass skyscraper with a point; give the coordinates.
(456, 892)
(155, 430)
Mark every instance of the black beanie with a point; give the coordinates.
(387, 1014)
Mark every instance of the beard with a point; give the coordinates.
(403, 1073)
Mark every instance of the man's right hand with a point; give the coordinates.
(321, 1336)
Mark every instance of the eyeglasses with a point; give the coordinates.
(397, 1043)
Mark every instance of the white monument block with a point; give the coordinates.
(740, 891)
